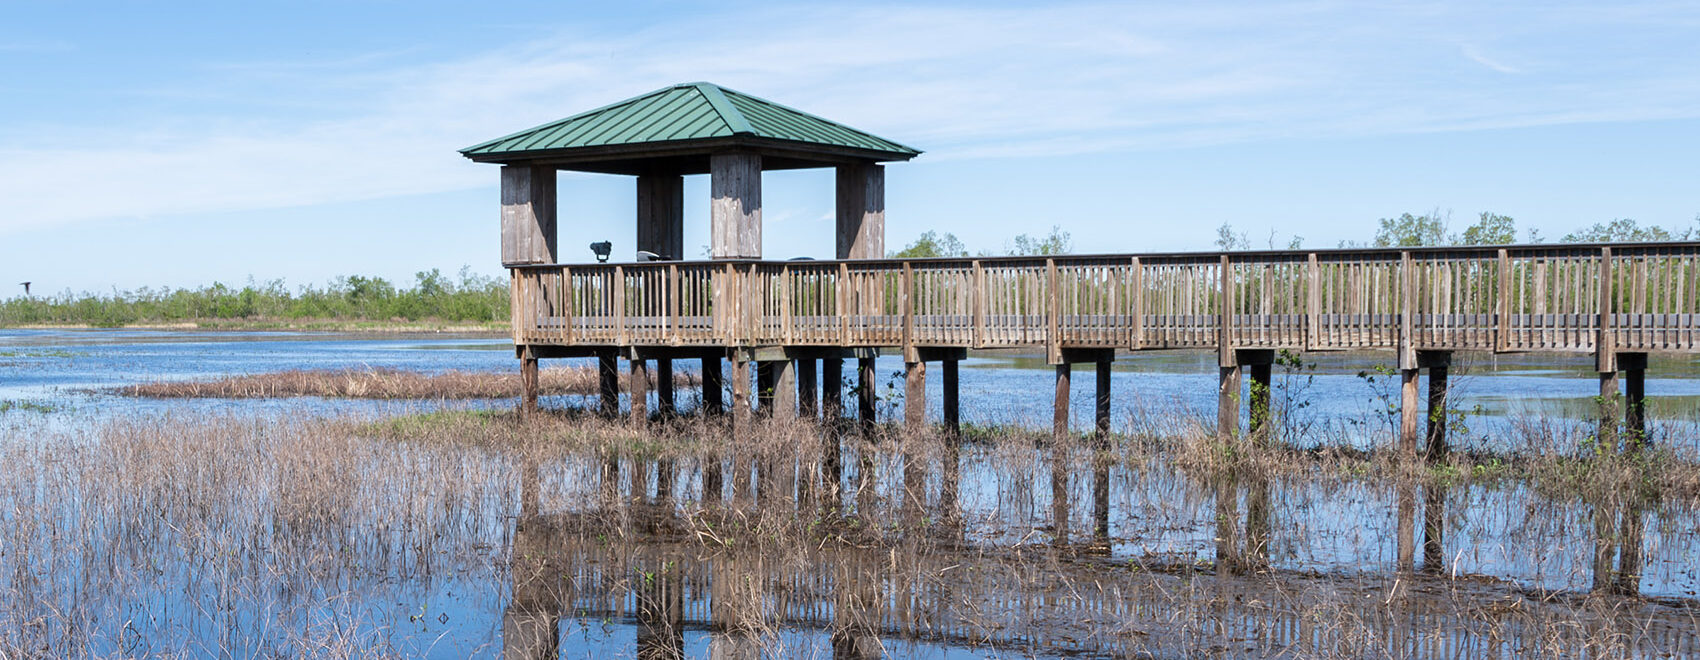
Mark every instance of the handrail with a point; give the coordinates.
(1577, 298)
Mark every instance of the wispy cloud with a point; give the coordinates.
(959, 82)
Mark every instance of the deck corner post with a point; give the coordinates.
(785, 389)
(832, 390)
(808, 390)
(1634, 366)
(735, 215)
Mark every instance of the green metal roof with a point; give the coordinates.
(690, 111)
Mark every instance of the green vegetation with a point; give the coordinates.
(434, 296)
(934, 244)
(1433, 229)
(8, 405)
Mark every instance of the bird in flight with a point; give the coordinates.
(26, 287)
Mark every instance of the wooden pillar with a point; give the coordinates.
(608, 380)
(639, 390)
(1634, 367)
(808, 398)
(528, 215)
(832, 389)
(665, 392)
(528, 378)
(861, 211)
(1228, 402)
(713, 386)
(952, 400)
(1059, 405)
(1437, 412)
(784, 397)
(661, 215)
(1101, 430)
(1409, 410)
(735, 217)
(1606, 433)
(865, 393)
(915, 396)
(764, 387)
(1259, 402)
(740, 391)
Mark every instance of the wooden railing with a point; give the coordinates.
(1637, 297)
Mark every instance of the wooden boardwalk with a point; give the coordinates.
(1618, 302)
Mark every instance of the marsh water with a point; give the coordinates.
(993, 550)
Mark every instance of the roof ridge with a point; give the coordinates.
(716, 97)
(813, 116)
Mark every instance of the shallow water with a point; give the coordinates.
(455, 551)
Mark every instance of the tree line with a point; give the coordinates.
(1434, 229)
(433, 295)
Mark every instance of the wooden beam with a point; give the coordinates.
(861, 211)
(661, 215)
(735, 216)
(740, 392)
(528, 215)
(1259, 401)
(1101, 430)
(1437, 447)
(1634, 399)
(784, 397)
(1605, 434)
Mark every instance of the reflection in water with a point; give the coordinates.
(862, 590)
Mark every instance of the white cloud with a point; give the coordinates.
(967, 82)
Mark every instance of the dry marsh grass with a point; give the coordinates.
(270, 535)
(386, 384)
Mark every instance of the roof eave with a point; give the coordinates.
(792, 148)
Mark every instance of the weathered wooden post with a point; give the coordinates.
(713, 386)
(861, 211)
(735, 216)
(1605, 357)
(1438, 363)
(608, 381)
(951, 399)
(808, 398)
(1259, 362)
(665, 392)
(639, 389)
(1634, 366)
(765, 379)
(740, 389)
(832, 389)
(1407, 534)
(915, 396)
(1408, 367)
(1227, 359)
(1059, 406)
(865, 393)
(1101, 429)
(784, 393)
(529, 383)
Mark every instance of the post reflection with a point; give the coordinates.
(531, 622)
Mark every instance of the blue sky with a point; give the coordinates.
(150, 144)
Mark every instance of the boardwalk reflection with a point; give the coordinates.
(767, 579)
